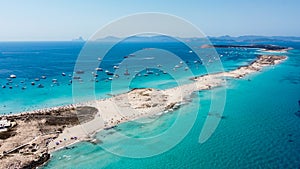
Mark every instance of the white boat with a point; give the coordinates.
(116, 67)
(13, 76)
(99, 69)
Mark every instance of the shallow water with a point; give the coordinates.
(259, 128)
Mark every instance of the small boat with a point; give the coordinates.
(76, 77)
(79, 72)
(186, 68)
(99, 69)
(190, 51)
(164, 72)
(125, 57)
(40, 86)
(116, 67)
(99, 59)
(54, 80)
(43, 77)
(13, 76)
(110, 73)
(126, 73)
(3, 86)
(149, 72)
(63, 74)
(177, 66)
(110, 78)
(32, 83)
(36, 79)
(24, 87)
(10, 87)
(106, 71)
(159, 65)
(95, 75)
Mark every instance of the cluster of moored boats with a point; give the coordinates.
(77, 76)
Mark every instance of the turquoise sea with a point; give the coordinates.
(259, 128)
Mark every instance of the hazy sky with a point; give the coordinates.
(69, 19)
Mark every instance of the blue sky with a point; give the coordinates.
(68, 19)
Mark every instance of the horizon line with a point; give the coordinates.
(109, 36)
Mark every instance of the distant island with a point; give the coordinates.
(79, 39)
(271, 48)
(247, 39)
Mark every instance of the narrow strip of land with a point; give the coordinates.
(59, 127)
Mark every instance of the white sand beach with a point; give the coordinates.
(146, 102)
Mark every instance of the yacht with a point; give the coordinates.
(13, 76)
(99, 69)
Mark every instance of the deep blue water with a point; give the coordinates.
(259, 130)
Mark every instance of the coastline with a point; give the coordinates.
(136, 104)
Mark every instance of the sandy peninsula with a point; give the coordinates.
(40, 132)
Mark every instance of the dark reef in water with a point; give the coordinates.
(298, 113)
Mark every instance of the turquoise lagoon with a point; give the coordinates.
(259, 128)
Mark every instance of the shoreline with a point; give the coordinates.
(121, 108)
(174, 101)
